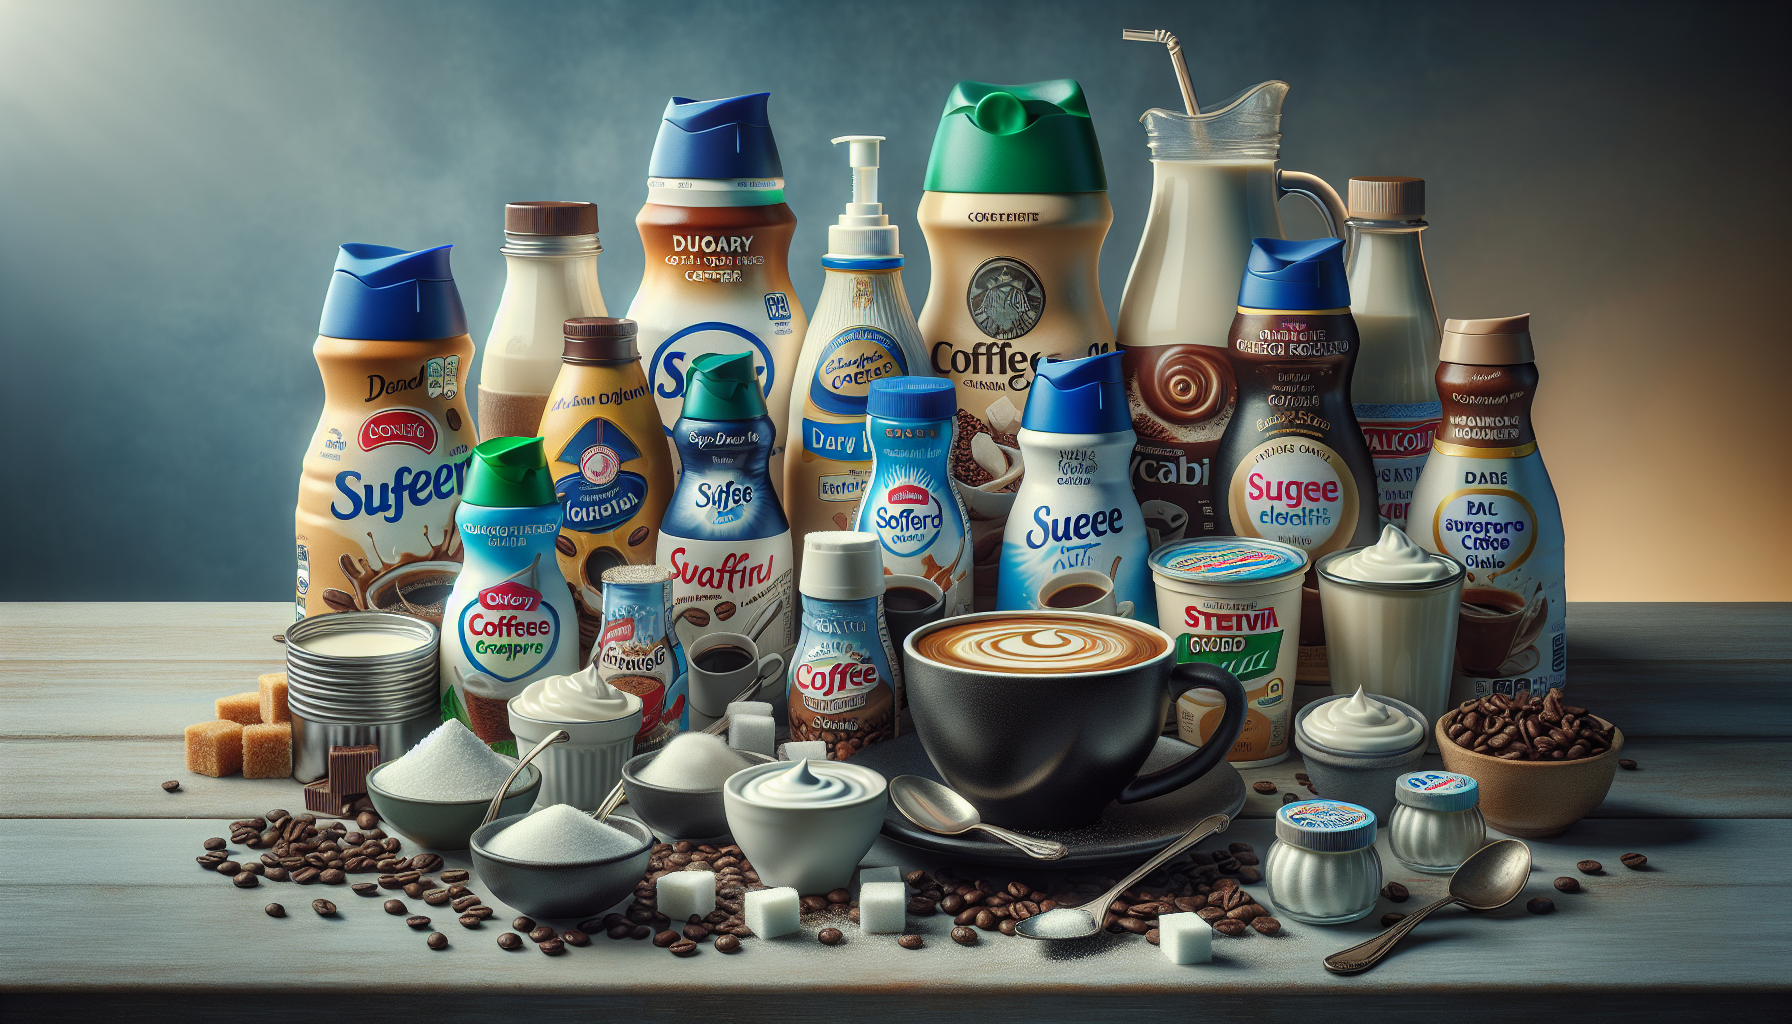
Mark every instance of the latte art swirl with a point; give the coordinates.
(1039, 645)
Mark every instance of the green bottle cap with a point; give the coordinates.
(1016, 138)
(723, 386)
(509, 472)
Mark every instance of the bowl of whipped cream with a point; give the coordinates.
(1357, 745)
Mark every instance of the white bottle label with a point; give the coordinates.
(732, 586)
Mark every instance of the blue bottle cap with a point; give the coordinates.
(1295, 275)
(913, 398)
(379, 293)
(726, 138)
(1326, 826)
(1078, 396)
(1437, 791)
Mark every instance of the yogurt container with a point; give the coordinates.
(1235, 602)
(1322, 868)
(1437, 822)
(805, 824)
(602, 721)
(1356, 745)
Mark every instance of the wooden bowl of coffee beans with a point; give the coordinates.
(1542, 764)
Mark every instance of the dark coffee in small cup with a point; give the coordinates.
(722, 659)
(1074, 596)
(907, 599)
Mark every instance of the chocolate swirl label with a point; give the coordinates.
(1040, 645)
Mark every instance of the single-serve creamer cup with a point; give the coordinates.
(1235, 602)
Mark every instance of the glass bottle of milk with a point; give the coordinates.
(1393, 390)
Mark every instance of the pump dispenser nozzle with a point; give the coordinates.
(863, 231)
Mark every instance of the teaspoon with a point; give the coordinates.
(1490, 879)
(940, 810)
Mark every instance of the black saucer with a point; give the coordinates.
(1124, 832)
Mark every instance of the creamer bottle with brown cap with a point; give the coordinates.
(1014, 213)
(386, 465)
(1485, 499)
(611, 470)
(550, 258)
(717, 234)
(1393, 391)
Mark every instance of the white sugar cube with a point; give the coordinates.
(881, 907)
(814, 750)
(869, 875)
(753, 732)
(749, 709)
(773, 912)
(1184, 938)
(683, 893)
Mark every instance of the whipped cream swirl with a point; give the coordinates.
(1392, 559)
(1360, 724)
(810, 783)
(580, 697)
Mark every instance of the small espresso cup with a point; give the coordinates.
(1082, 590)
(899, 611)
(1042, 718)
(722, 665)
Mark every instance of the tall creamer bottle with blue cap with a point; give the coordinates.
(510, 619)
(1075, 540)
(1293, 465)
(388, 460)
(716, 231)
(725, 537)
(910, 505)
(863, 332)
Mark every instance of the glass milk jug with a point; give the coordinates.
(1215, 187)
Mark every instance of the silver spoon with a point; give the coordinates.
(1213, 824)
(942, 811)
(1490, 879)
(557, 736)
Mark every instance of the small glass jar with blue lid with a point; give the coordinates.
(1437, 821)
(1322, 868)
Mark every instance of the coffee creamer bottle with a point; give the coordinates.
(612, 472)
(550, 259)
(1076, 540)
(725, 537)
(910, 506)
(1014, 212)
(638, 653)
(1293, 466)
(1393, 391)
(387, 463)
(1485, 499)
(845, 682)
(862, 332)
(717, 234)
(510, 619)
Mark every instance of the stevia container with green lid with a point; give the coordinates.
(1235, 602)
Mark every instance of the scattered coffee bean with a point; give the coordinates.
(911, 942)
(510, 940)
(465, 903)
(621, 930)
(645, 932)
(482, 913)
(665, 938)
(1264, 786)
(541, 933)
(1267, 926)
(1540, 905)
(552, 947)
(324, 908)
(1392, 918)
(471, 920)
(523, 924)
(917, 878)
(437, 940)
(1627, 764)
(306, 875)
(433, 897)
(1590, 867)
(277, 874)
(417, 921)
(1633, 861)
(367, 820)
(455, 875)
(1250, 875)
(246, 880)
(1396, 892)
(365, 889)
(1229, 927)
(683, 947)
(829, 936)
(215, 843)
(171, 786)
(1006, 926)
(840, 896)
(275, 910)
(1288, 798)
(727, 944)
(1567, 884)
(964, 936)
(331, 876)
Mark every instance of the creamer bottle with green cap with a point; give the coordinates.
(510, 619)
(724, 536)
(863, 331)
(1015, 210)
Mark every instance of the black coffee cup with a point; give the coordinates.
(1050, 750)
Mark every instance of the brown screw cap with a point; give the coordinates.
(550, 218)
(1387, 198)
(1498, 341)
(600, 339)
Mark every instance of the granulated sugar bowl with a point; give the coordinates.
(1437, 821)
(1322, 868)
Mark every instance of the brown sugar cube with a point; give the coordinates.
(318, 799)
(267, 751)
(241, 708)
(348, 772)
(273, 698)
(215, 748)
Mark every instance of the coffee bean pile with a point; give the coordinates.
(1529, 729)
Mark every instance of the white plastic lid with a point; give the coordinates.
(1326, 826)
(863, 231)
(842, 566)
(1437, 791)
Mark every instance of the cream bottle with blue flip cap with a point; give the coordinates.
(863, 332)
(1075, 540)
(910, 504)
(717, 233)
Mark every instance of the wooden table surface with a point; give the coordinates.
(103, 912)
